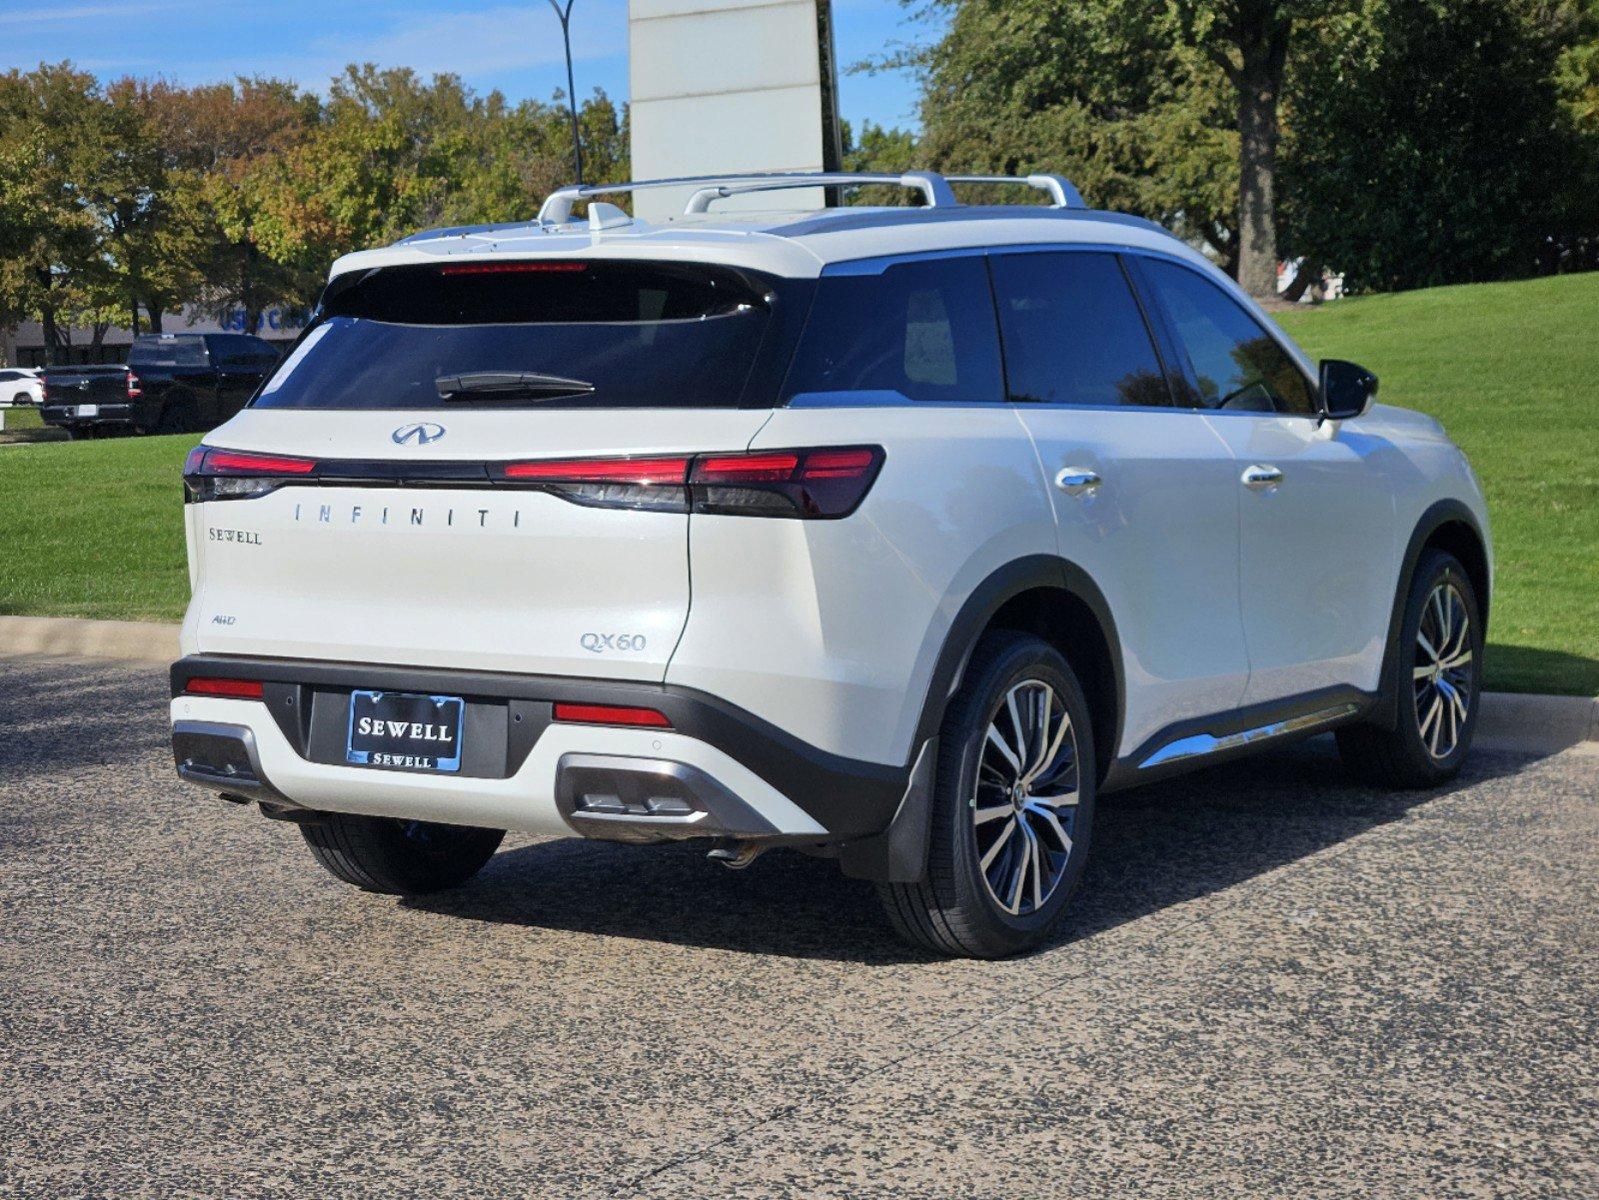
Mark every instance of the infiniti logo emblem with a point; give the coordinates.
(422, 433)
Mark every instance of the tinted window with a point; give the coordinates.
(1237, 364)
(10, 376)
(924, 330)
(630, 335)
(1073, 332)
(186, 351)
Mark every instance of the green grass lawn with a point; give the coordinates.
(21, 418)
(1512, 370)
(92, 528)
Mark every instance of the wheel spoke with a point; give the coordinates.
(983, 816)
(1061, 800)
(1019, 729)
(999, 844)
(1019, 875)
(1044, 706)
(1036, 854)
(999, 743)
(1049, 818)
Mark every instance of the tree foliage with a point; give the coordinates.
(122, 203)
(1421, 140)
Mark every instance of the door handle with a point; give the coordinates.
(1077, 481)
(1262, 477)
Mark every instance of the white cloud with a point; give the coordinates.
(80, 12)
(487, 41)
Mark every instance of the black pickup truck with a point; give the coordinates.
(173, 383)
(87, 399)
(195, 381)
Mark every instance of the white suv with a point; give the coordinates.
(896, 535)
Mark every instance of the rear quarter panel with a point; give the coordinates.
(831, 629)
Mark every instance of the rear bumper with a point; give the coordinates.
(65, 415)
(718, 771)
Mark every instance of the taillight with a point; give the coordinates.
(821, 483)
(134, 390)
(798, 483)
(233, 689)
(545, 266)
(611, 714)
(210, 474)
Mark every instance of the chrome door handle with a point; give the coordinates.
(1261, 477)
(1077, 481)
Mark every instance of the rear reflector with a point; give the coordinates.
(610, 714)
(238, 689)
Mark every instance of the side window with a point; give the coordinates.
(1237, 363)
(1073, 333)
(923, 329)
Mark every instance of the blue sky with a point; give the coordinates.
(513, 47)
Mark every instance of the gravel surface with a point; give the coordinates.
(1274, 984)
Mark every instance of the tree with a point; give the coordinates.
(52, 122)
(1432, 145)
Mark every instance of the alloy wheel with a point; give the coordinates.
(1024, 807)
(1442, 672)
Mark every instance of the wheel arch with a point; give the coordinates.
(1447, 525)
(1058, 601)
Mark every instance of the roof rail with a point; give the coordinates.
(935, 189)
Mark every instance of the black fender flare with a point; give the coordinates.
(899, 854)
(1435, 517)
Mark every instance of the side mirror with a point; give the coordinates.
(1347, 389)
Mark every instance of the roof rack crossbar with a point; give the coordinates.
(935, 189)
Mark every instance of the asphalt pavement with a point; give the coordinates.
(1274, 983)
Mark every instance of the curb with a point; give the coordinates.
(1540, 724)
(70, 637)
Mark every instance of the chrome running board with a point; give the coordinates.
(1201, 745)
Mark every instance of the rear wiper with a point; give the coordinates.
(508, 385)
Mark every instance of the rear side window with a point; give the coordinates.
(1073, 332)
(1236, 363)
(567, 334)
(187, 351)
(923, 330)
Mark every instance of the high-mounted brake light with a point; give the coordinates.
(611, 714)
(233, 689)
(513, 268)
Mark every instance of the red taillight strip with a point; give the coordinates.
(232, 462)
(611, 470)
(837, 464)
(744, 468)
(237, 689)
(611, 714)
(511, 268)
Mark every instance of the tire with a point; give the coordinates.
(1431, 739)
(400, 858)
(959, 908)
(178, 416)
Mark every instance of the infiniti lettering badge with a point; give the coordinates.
(422, 433)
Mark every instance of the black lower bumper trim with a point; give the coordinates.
(847, 797)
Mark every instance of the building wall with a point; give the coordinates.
(720, 86)
(24, 345)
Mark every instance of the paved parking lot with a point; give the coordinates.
(1275, 984)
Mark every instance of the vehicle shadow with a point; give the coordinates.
(60, 714)
(1154, 847)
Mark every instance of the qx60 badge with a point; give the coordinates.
(421, 433)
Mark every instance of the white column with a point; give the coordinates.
(722, 86)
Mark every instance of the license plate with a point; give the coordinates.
(406, 730)
(88, 410)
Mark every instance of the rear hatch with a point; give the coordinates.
(473, 465)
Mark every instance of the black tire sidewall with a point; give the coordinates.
(1021, 657)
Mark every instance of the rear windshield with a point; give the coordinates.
(168, 352)
(529, 334)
